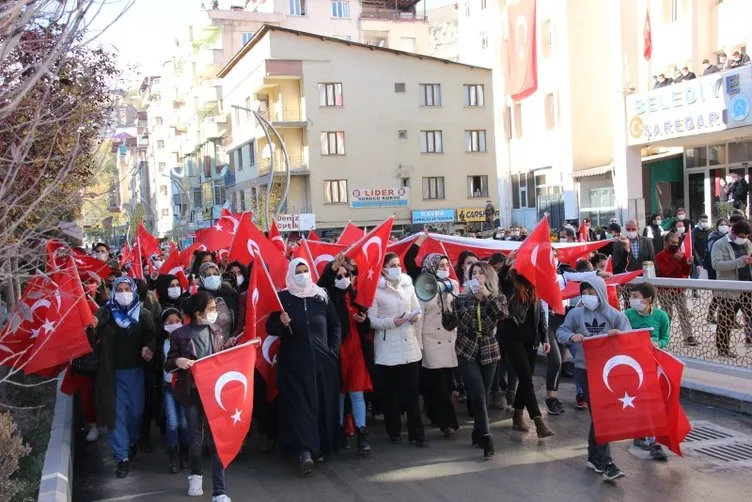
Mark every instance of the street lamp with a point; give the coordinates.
(267, 126)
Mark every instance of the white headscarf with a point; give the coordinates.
(302, 292)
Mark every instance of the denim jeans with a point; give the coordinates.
(477, 379)
(129, 408)
(175, 420)
(197, 425)
(358, 403)
(598, 452)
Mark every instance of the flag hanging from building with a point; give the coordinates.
(521, 62)
(647, 37)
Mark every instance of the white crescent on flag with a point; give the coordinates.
(266, 346)
(619, 360)
(224, 379)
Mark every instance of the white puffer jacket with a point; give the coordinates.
(394, 346)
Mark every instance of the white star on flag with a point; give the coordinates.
(370, 273)
(48, 326)
(218, 227)
(627, 400)
(35, 332)
(236, 416)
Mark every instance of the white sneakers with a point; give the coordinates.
(195, 485)
(92, 435)
(221, 498)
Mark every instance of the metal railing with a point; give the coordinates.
(297, 165)
(393, 15)
(283, 115)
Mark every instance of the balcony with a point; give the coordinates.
(285, 117)
(209, 62)
(298, 166)
(393, 15)
(209, 97)
(213, 127)
(229, 179)
(143, 142)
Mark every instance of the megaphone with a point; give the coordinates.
(427, 286)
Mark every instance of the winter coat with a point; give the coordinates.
(438, 342)
(393, 345)
(726, 264)
(181, 345)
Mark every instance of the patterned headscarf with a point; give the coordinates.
(431, 262)
(125, 317)
(206, 266)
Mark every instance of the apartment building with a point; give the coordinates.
(369, 132)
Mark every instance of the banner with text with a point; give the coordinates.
(361, 198)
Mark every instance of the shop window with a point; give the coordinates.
(717, 155)
(739, 152)
(696, 157)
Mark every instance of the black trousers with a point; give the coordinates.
(198, 429)
(437, 396)
(399, 387)
(521, 354)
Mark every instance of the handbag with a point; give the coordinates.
(87, 365)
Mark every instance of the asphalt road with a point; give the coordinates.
(524, 468)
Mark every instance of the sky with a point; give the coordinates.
(144, 33)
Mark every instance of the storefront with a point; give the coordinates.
(441, 220)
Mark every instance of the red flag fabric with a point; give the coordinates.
(572, 253)
(218, 236)
(276, 237)
(583, 233)
(350, 235)
(225, 385)
(535, 262)
(149, 243)
(686, 245)
(173, 266)
(521, 62)
(56, 258)
(368, 254)
(248, 241)
(90, 267)
(572, 288)
(125, 254)
(62, 334)
(313, 236)
(610, 264)
(647, 37)
(619, 279)
(319, 254)
(625, 397)
(187, 255)
(137, 262)
(670, 370)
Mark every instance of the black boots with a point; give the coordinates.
(363, 447)
(488, 446)
(344, 444)
(174, 467)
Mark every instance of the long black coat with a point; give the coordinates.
(307, 374)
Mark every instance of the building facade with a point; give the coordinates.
(369, 132)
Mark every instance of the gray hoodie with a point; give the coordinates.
(586, 322)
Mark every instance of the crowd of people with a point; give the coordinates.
(476, 341)
(736, 60)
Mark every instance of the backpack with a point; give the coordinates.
(707, 263)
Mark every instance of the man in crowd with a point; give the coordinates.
(737, 191)
(672, 263)
(739, 59)
(655, 232)
(632, 250)
(709, 68)
(700, 244)
(686, 74)
(515, 233)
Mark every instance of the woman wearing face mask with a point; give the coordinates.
(125, 334)
(466, 259)
(210, 281)
(394, 314)
(188, 344)
(176, 423)
(240, 272)
(170, 295)
(475, 314)
(655, 231)
(155, 263)
(355, 327)
(307, 375)
(439, 355)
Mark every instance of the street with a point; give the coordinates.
(524, 468)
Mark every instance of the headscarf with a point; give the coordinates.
(125, 317)
(302, 292)
(206, 266)
(431, 263)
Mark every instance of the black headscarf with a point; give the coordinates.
(161, 285)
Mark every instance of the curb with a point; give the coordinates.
(734, 400)
(57, 472)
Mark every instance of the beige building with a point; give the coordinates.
(370, 132)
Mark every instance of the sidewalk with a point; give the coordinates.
(718, 385)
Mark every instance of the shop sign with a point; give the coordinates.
(295, 222)
(361, 198)
(433, 216)
(473, 214)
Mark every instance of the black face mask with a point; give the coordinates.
(673, 249)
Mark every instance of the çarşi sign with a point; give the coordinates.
(295, 222)
(433, 216)
(473, 214)
(361, 198)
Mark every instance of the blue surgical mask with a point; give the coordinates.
(211, 282)
(393, 273)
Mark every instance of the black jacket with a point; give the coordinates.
(700, 244)
(657, 236)
(624, 261)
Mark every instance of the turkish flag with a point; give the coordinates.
(619, 279)
(313, 236)
(670, 370)
(610, 264)
(276, 237)
(173, 266)
(368, 254)
(318, 254)
(149, 243)
(571, 253)
(90, 267)
(249, 241)
(350, 235)
(224, 381)
(686, 245)
(647, 37)
(187, 255)
(218, 236)
(625, 397)
(535, 262)
(521, 61)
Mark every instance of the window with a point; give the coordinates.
(219, 192)
(197, 198)
(239, 153)
(475, 141)
(671, 10)
(483, 40)
(433, 187)
(474, 95)
(399, 87)
(507, 123)
(246, 37)
(405, 182)
(402, 134)
(335, 192)
(241, 198)
(477, 186)
(430, 142)
(333, 143)
(163, 190)
(517, 120)
(483, 4)
(546, 38)
(550, 111)
(248, 111)
(297, 7)
(158, 121)
(160, 143)
(340, 8)
(523, 190)
(162, 166)
(467, 8)
(165, 212)
(330, 94)
(252, 153)
(430, 95)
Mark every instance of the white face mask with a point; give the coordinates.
(302, 280)
(739, 241)
(704, 224)
(158, 264)
(723, 229)
(515, 234)
(638, 304)
(211, 282)
(590, 301)
(393, 273)
(658, 222)
(442, 274)
(474, 285)
(174, 292)
(124, 298)
(211, 318)
(101, 256)
(681, 217)
(171, 327)
(343, 283)
(631, 235)
(680, 230)
(239, 280)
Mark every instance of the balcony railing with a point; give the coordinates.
(298, 165)
(229, 179)
(393, 15)
(283, 115)
(213, 127)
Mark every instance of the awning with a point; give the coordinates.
(660, 156)
(593, 171)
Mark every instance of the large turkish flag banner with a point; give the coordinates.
(670, 370)
(521, 63)
(625, 397)
(225, 384)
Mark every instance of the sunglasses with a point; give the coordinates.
(341, 276)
